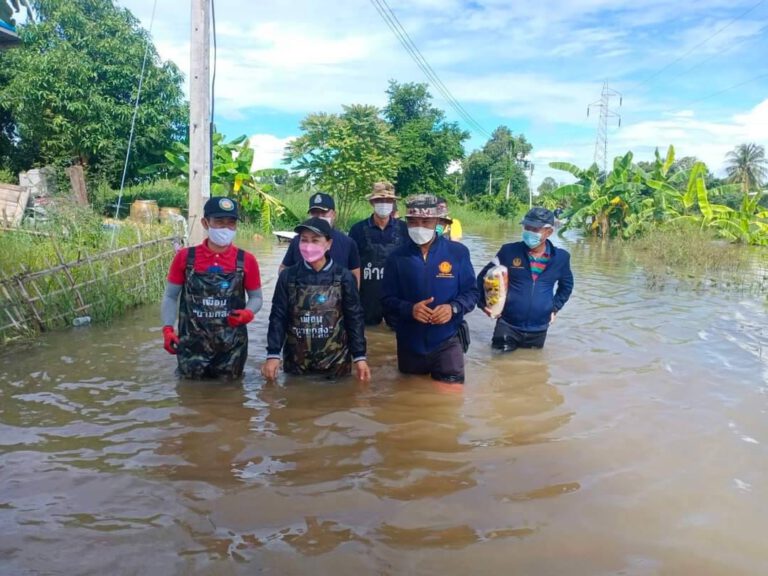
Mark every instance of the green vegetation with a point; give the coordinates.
(106, 275)
(631, 201)
(166, 193)
(696, 258)
(424, 142)
(413, 146)
(493, 177)
(344, 154)
(231, 175)
(67, 93)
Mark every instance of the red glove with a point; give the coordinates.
(170, 340)
(239, 317)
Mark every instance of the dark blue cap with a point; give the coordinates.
(538, 217)
(315, 225)
(321, 201)
(220, 207)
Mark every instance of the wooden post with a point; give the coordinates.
(199, 118)
(77, 179)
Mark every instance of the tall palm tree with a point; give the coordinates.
(748, 166)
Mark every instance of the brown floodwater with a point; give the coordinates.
(635, 443)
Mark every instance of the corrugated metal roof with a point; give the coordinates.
(7, 34)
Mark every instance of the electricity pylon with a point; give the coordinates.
(601, 142)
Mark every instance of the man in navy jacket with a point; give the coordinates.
(535, 268)
(429, 284)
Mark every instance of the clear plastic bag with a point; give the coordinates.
(495, 284)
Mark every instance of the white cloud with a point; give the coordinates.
(268, 150)
(551, 154)
(532, 66)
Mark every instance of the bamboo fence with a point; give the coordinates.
(100, 285)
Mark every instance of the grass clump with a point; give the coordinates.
(695, 257)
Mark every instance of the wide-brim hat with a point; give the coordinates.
(382, 191)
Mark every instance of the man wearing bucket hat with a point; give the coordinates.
(376, 237)
(429, 286)
(316, 322)
(343, 249)
(540, 283)
(212, 279)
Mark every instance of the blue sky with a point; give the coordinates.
(533, 66)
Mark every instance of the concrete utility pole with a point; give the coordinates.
(601, 142)
(199, 118)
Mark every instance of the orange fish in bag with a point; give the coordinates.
(495, 284)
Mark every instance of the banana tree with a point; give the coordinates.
(231, 176)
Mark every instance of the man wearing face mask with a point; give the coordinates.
(212, 279)
(316, 322)
(429, 286)
(376, 237)
(540, 283)
(343, 250)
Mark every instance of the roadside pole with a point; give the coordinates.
(199, 118)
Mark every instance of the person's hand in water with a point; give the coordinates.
(270, 367)
(362, 370)
(170, 340)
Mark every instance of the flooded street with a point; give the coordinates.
(635, 442)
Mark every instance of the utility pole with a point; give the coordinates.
(601, 142)
(199, 118)
(530, 186)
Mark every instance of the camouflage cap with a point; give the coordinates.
(421, 206)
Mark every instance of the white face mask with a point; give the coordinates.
(382, 209)
(421, 235)
(327, 219)
(221, 236)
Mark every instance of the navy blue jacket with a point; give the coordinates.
(446, 274)
(530, 304)
(343, 251)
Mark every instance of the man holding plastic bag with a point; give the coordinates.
(526, 285)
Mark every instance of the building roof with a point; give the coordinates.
(8, 36)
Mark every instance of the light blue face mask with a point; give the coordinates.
(439, 229)
(531, 239)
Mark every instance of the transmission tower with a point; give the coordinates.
(601, 142)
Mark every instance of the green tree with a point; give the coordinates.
(69, 91)
(547, 186)
(344, 154)
(499, 165)
(426, 143)
(748, 166)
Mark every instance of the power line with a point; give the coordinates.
(700, 44)
(397, 28)
(728, 49)
(405, 40)
(713, 94)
